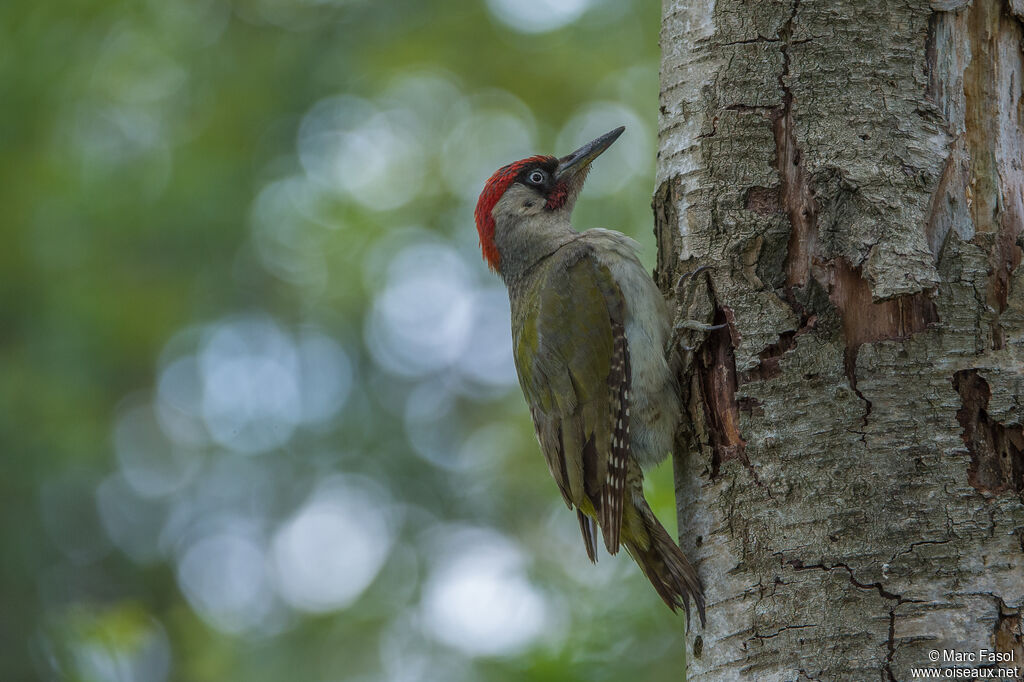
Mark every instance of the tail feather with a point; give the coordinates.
(665, 565)
(589, 531)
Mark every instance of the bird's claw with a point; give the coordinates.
(693, 273)
(701, 326)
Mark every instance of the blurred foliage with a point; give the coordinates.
(259, 415)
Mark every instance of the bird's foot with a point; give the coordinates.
(701, 326)
(693, 273)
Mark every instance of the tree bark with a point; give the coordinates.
(852, 174)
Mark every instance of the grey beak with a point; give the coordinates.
(572, 164)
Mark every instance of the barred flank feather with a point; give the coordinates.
(613, 491)
(665, 565)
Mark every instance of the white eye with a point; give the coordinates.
(536, 177)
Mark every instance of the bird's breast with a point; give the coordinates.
(655, 407)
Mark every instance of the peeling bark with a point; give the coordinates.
(853, 174)
(1009, 632)
(996, 188)
(997, 451)
(716, 369)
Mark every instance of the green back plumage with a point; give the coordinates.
(562, 325)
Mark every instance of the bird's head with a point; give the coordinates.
(528, 194)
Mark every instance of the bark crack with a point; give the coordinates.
(850, 367)
(914, 545)
(784, 629)
(797, 196)
(890, 642)
(749, 108)
(749, 41)
(798, 565)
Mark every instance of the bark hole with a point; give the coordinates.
(997, 451)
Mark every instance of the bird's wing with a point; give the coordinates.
(572, 358)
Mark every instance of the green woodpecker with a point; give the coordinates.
(590, 333)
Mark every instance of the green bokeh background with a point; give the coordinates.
(258, 414)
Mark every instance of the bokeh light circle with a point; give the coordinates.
(478, 599)
(537, 16)
(330, 550)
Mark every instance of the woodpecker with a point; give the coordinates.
(591, 334)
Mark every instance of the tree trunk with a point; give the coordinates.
(852, 174)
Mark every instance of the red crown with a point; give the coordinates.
(493, 191)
